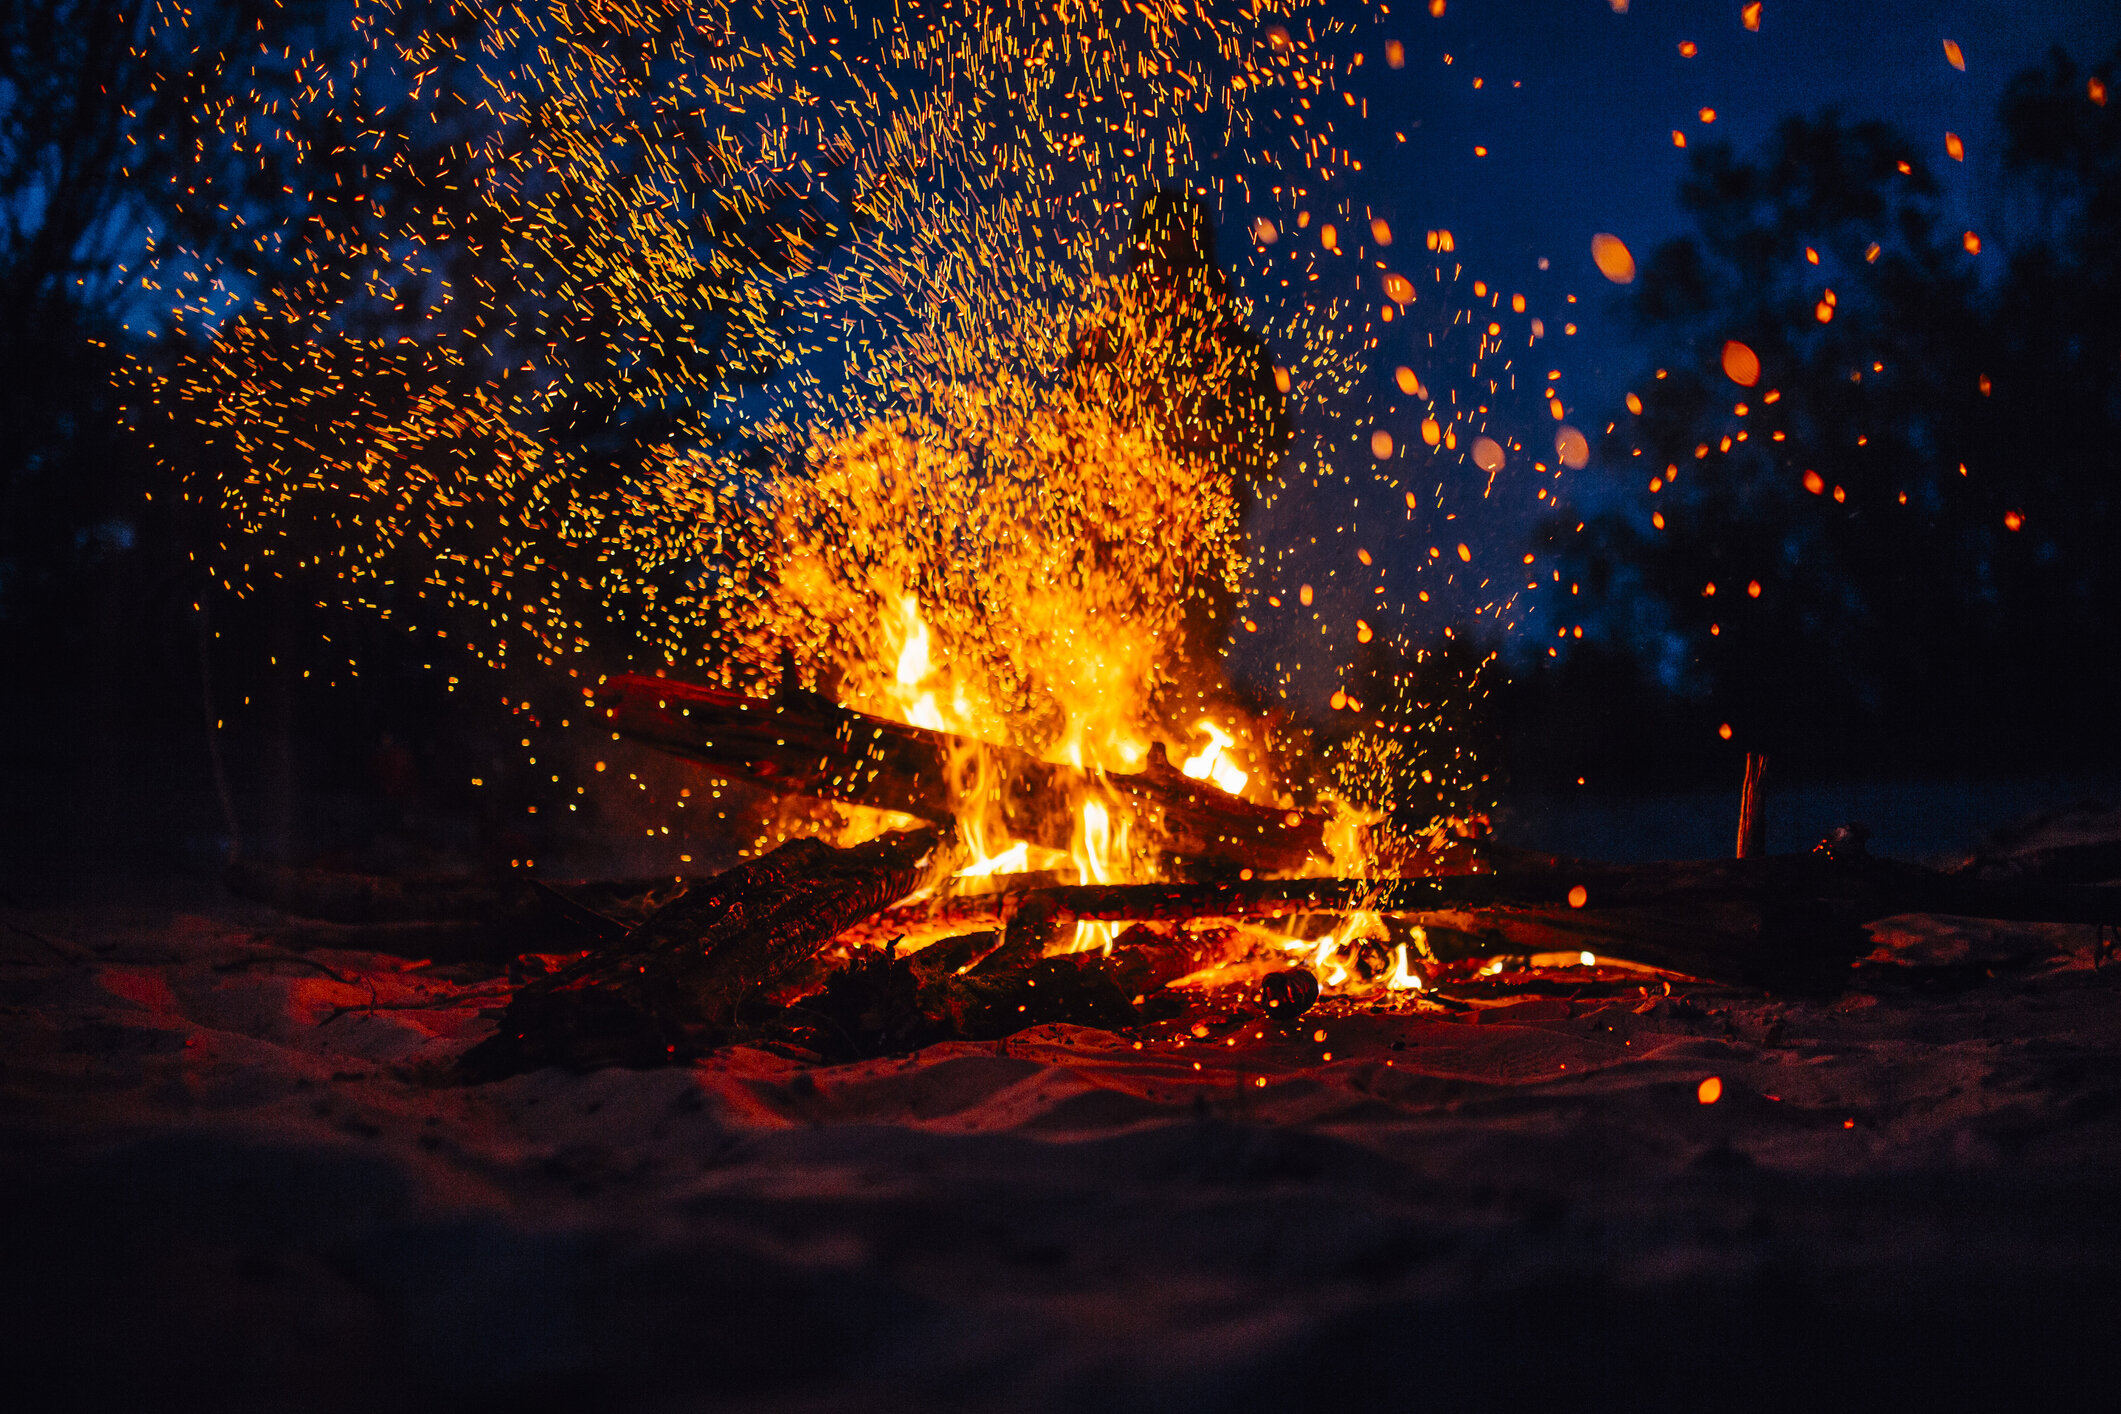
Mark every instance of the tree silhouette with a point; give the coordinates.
(1872, 491)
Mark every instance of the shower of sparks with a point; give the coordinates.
(711, 335)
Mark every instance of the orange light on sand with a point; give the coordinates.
(1579, 896)
(1740, 364)
(1710, 1090)
(1613, 258)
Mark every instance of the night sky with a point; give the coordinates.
(1585, 145)
(1576, 106)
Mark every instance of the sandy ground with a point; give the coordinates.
(233, 1182)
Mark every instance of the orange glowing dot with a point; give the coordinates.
(1634, 404)
(1381, 444)
(1579, 896)
(1395, 54)
(1411, 502)
(1303, 595)
(1823, 312)
(1750, 16)
(1953, 56)
(1814, 483)
(1465, 554)
(1329, 237)
(1431, 431)
(1399, 289)
(1724, 731)
(1984, 385)
(1972, 243)
(1678, 138)
(2095, 90)
(1338, 700)
(1362, 632)
(2012, 520)
(1811, 255)
(1710, 1090)
(1953, 148)
(1688, 49)
(1613, 259)
(1752, 589)
(1408, 383)
(1436, 8)
(1487, 454)
(1708, 115)
(1657, 519)
(1708, 591)
(1380, 231)
(1571, 448)
(1740, 364)
(1479, 151)
(1281, 378)
(1848, 1124)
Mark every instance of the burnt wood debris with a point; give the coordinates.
(647, 972)
(838, 953)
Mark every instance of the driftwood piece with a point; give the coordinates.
(675, 983)
(803, 744)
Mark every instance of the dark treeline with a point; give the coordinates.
(1892, 552)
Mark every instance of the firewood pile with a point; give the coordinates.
(843, 953)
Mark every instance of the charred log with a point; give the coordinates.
(675, 984)
(1791, 921)
(804, 744)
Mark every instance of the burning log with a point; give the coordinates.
(672, 985)
(802, 744)
(1785, 922)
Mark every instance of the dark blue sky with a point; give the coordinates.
(1576, 108)
(1585, 144)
